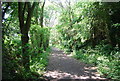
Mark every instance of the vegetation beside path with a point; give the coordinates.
(89, 30)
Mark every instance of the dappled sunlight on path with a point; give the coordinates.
(62, 66)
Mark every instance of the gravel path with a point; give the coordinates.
(62, 66)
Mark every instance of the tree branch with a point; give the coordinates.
(20, 15)
(24, 9)
(29, 5)
(30, 12)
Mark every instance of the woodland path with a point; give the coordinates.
(63, 67)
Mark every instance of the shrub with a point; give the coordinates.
(104, 57)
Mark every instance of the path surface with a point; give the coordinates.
(62, 66)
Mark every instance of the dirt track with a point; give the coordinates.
(62, 66)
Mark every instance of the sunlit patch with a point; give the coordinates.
(92, 68)
(64, 75)
(62, 66)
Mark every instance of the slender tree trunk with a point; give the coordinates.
(118, 30)
(41, 24)
(42, 13)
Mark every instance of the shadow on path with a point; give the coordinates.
(63, 67)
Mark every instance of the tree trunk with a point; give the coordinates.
(25, 52)
(118, 36)
(112, 35)
(42, 12)
(24, 27)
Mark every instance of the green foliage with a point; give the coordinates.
(39, 48)
(39, 62)
(39, 38)
(12, 60)
(91, 20)
(104, 58)
(12, 48)
(54, 37)
(84, 21)
(77, 23)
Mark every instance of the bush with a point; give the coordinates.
(12, 55)
(104, 57)
(39, 38)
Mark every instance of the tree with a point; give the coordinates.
(114, 28)
(25, 22)
(42, 12)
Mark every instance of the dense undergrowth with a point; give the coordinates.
(106, 58)
(103, 56)
(13, 69)
(12, 56)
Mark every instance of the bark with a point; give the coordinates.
(24, 27)
(46, 44)
(42, 12)
(113, 40)
(25, 52)
(41, 24)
